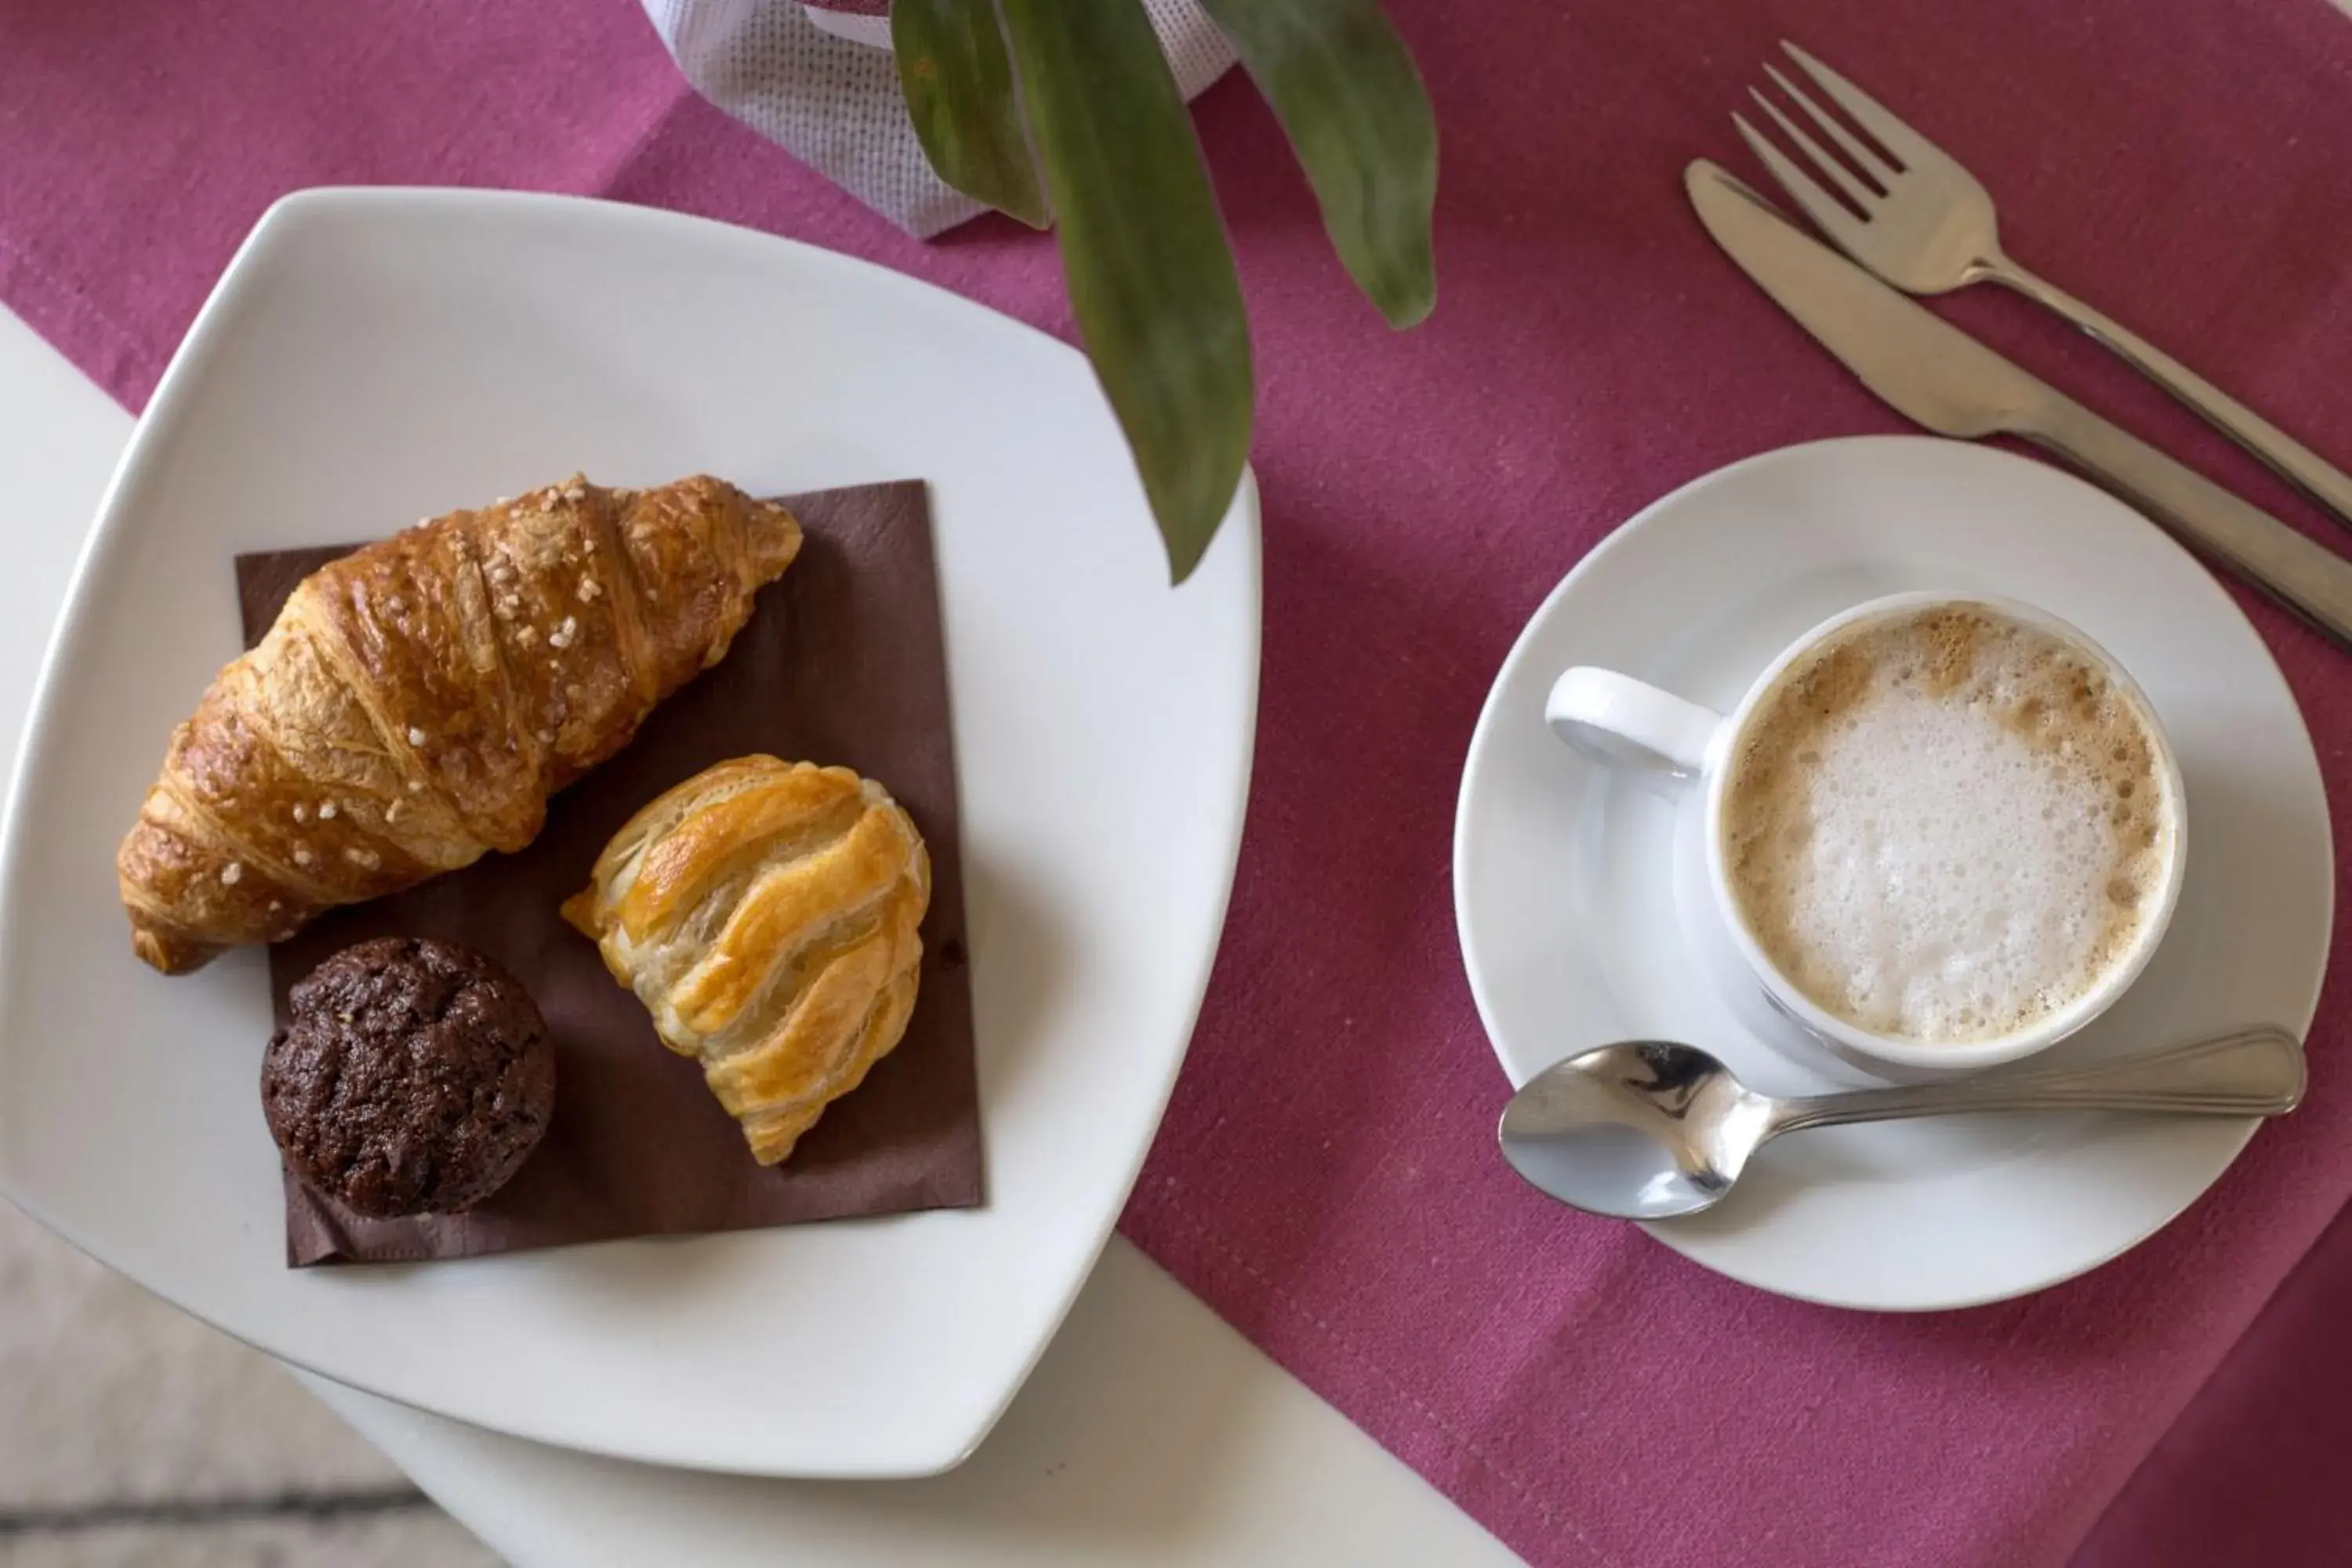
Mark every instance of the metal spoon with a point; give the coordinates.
(1649, 1129)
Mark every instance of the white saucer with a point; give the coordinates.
(1563, 872)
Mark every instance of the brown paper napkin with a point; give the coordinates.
(842, 661)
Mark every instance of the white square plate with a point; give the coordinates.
(372, 357)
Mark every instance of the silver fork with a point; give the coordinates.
(1929, 228)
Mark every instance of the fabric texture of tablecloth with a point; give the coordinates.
(1324, 1177)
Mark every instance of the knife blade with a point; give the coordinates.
(1938, 376)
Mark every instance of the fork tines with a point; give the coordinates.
(1902, 145)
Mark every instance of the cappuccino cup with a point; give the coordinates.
(1943, 832)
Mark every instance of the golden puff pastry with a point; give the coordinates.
(766, 912)
(418, 700)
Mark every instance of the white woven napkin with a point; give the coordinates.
(834, 104)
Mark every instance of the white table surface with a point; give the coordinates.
(1150, 1433)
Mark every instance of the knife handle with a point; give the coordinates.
(2301, 573)
(2326, 485)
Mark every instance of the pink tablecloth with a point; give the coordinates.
(1325, 1178)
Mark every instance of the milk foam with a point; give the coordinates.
(1944, 827)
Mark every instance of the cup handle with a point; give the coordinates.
(1622, 721)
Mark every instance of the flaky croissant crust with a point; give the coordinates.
(766, 913)
(417, 701)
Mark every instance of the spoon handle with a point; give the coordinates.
(2248, 1072)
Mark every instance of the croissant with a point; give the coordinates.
(766, 914)
(418, 700)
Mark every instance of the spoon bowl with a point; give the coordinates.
(1641, 1129)
(1652, 1129)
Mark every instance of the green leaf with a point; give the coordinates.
(1351, 101)
(958, 84)
(1151, 278)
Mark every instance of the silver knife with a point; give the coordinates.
(1933, 373)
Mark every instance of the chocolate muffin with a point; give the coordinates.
(415, 1077)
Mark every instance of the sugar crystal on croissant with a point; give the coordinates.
(766, 913)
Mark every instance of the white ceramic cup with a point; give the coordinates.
(1625, 722)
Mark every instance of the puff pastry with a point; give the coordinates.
(418, 700)
(766, 913)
